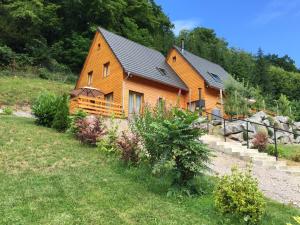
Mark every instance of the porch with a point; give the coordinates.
(96, 106)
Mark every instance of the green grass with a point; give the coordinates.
(23, 91)
(49, 178)
(290, 152)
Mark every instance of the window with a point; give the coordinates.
(174, 59)
(162, 71)
(135, 102)
(90, 78)
(109, 97)
(161, 102)
(106, 69)
(99, 46)
(216, 77)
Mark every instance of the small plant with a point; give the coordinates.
(7, 111)
(61, 119)
(44, 108)
(90, 130)
(109, 143)
(260, 141)
(271, 150)
(238, 194)
(79, 114)
(129, 146)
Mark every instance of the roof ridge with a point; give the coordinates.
(198, 56)
(127, 39)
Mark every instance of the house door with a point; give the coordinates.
(135, 102)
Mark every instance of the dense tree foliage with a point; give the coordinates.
(50, 30)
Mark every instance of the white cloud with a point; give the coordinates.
(277, 9)
(184, 25)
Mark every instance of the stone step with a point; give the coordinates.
(291, 170)
(264, 162)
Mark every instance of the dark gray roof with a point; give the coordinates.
(142, 61)
(206, 69)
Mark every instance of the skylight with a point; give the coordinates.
(162, 71)
(216, 77)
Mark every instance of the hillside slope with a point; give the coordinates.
(22, 91)
(49, 178)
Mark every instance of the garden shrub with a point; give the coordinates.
(109, 142)
(7, 111)
(271, 150)
(44, 108)
(129, 146)
(79, 114)
(142, 126)
(90, 130)
(238, 195)
(61, 119)
(260, 141)
(172, 143)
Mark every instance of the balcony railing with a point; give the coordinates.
(96, 106)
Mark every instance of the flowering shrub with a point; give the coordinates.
(129, 146)
(238, 195)
(90, 130)
(260, 141)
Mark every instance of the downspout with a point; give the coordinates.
(123, 90)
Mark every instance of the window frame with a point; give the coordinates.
(134, 93)
(90, 79)
(106, 69)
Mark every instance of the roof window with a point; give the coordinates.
(162, 71)
(215, 77)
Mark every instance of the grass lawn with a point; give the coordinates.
(22, 90)
(291, 152)
(49, 178)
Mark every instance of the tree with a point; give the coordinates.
(261, 72)
(285, 62)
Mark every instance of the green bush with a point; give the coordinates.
(44, 108)
(61, 119)
(238, 195)
(172, 143)
(271, 150)
(109, 142)
(7, 111)
(79, 114)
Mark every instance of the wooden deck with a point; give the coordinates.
(96, 106)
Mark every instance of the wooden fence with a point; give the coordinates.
(96, 106)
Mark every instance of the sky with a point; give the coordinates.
(273, 25)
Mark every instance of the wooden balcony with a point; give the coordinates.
(96, 106)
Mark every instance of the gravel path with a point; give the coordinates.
(20, 113)
(274, 184)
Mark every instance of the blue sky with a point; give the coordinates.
(273, 25)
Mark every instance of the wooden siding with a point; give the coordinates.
(193, 81)
(152, 92)
(95, 60)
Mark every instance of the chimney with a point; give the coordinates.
(182, 45)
